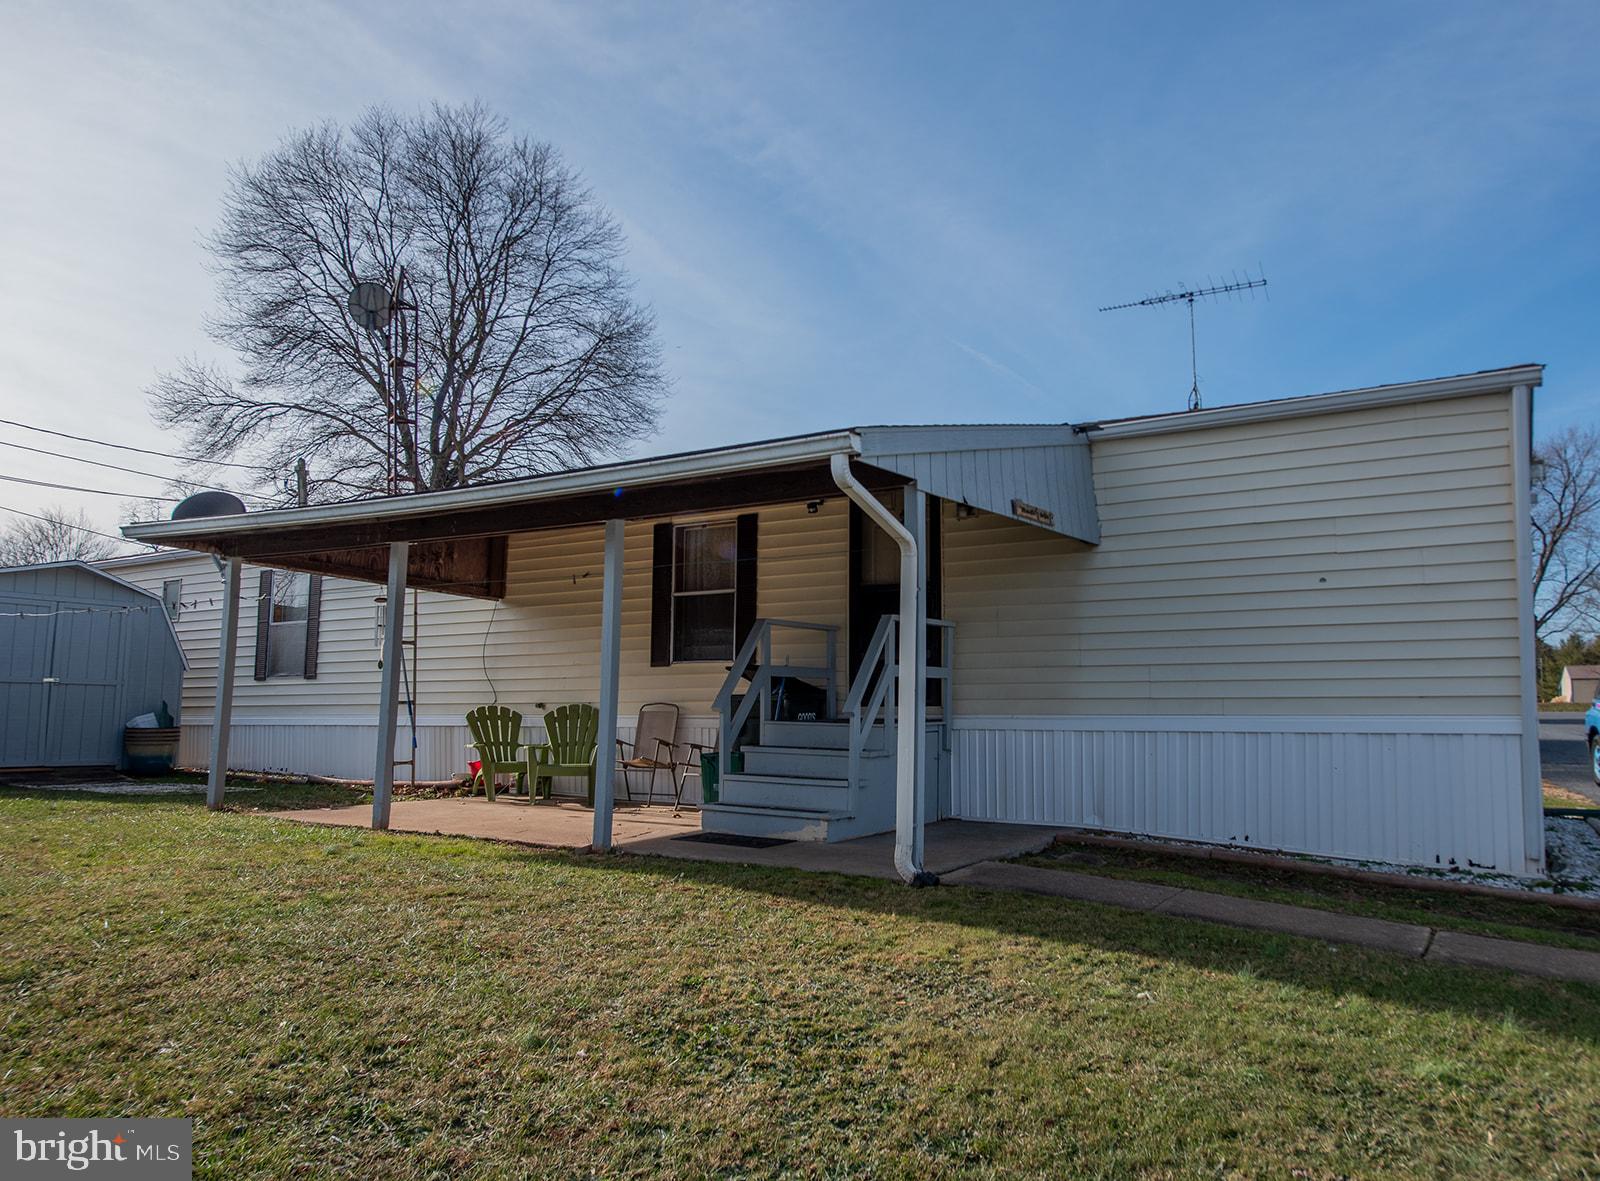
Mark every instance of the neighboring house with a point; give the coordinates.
(1300, 624)
(81, 652)
(1580, 683)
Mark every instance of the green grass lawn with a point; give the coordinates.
(336, 1002)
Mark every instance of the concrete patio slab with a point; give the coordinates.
(548, 824)
(948, 845)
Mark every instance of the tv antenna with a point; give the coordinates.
(1188, 295)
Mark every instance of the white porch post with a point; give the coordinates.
(914, 659)
(605, 759)
(227, 657)
(394, 622)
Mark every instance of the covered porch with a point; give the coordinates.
(653, 831)
(859, 759)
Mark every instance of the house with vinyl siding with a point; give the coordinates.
(1301, 624)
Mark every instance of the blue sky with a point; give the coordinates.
(856, 212)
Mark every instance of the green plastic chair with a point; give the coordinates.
(572, 736)
(496, 732)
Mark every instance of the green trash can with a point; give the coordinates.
(711, 775)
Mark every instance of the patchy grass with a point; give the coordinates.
(1562, 797)
(337, 1002)
(1509, 918)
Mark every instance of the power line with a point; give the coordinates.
(128, 447)
(51, 521)
(94, 491)
(130, 470)
(270, 472)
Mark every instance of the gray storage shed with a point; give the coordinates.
(81, 652)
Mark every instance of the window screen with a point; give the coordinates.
(703, 569)
(286, 625)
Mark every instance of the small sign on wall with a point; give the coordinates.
(1024, 511)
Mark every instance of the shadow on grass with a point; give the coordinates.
(1562, 1008)
(1566, 1008)
(245, 796)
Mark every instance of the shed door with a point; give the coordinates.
(24, 693)
(59, 686)
(82, 727)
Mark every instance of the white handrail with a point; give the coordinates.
(760, 640)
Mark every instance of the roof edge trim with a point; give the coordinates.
(1492, 381)
(746, 457)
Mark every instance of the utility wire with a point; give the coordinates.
(264, 469)
(127, 447)
(249, 467)
(80, 528)
(95, 491)
(133, 471)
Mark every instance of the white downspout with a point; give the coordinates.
(908, 799)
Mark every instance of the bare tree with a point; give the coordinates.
(1566, 533)
(54, 536)
(532, 353)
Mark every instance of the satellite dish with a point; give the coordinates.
(370, 305)
(208, 504)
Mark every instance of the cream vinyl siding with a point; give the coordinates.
(1353, 563)
(541, 643)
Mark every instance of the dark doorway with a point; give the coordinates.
(875, 578)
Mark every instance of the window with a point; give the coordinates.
(286, 624)
(704, 569)
(172, 597)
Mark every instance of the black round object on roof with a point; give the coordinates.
(208, 504)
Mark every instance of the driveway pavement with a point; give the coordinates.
(1564, 755)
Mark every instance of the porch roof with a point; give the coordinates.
(1036, 473)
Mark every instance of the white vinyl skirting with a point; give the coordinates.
(1422, 791)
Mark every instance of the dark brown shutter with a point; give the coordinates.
(661, 597)
(313, 623)
(263, 620)
(744, 581)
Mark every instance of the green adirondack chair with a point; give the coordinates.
(496, 732)
(572, 735)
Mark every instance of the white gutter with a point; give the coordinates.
(1494, 381)
(691, 465)
(907, 804)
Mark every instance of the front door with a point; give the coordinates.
(875, 578)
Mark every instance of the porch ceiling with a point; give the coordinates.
(461, 549)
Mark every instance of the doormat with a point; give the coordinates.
(729, 838)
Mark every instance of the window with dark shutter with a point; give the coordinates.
(263, 621)
(661, 596)
(288, 623)
(313, 625)
(703, 590)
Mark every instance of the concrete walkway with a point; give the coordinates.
(1406, 939)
